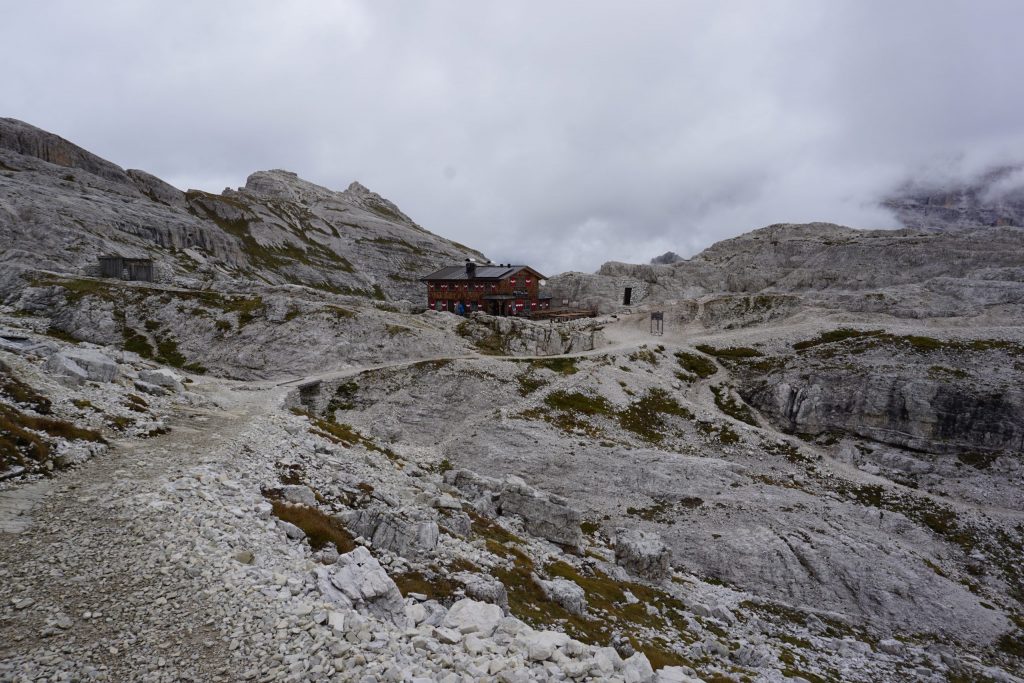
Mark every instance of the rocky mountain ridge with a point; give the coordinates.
(903, 273)
(72, 206)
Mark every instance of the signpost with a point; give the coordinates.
(658, 322)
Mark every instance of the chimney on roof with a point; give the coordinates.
(470, 268)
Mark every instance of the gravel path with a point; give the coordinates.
(96, 590)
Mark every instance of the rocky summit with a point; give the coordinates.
(267, 462)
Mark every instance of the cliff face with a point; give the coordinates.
(61, 207)
(995, 198)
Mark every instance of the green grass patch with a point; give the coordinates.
(576, 402)
(321, 529)
(978, 460)
(644, 355)
(168, 354)
(21, 393)
(561, 365)
(57, 333)
(732, 407)
(344, 397)
(841, 334)
(136, 343)
(732, 352)
(645, 417)
(529, 384)
(696, 364)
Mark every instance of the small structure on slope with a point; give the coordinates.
(125, 268)
(497, 289)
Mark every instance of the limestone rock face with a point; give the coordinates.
(156, 189)
(902, 409)
(27, 140)
(643, 554)
(520, 336)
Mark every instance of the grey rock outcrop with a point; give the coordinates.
(568, 594)
(84, 363)
(904, 273)
(470, 616)
(484, 588)
(946, 396)
(299, 495)
(27, 140)
(643, 554)
(358, 581)
(544, 515)
(520, 336)
(409, 536)
(163, 378)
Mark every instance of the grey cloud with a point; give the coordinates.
(562, 134)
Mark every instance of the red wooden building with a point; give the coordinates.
(497, 289)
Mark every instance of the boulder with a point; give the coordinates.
(147, 388)
(568, 594)
(300, 495)
(291, 531)
(458, 523)
(541, 645)
(97, 366)
(675, 674)
(61, 365)
(546, 516)
(643, 554)
(484, 588)
(358, 581)
(472, 484)
(470, 616)
(163, 378)
(406, 533)
(638, 669)
(606, 662)
(890, 646)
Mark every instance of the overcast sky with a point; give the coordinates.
(562, 134)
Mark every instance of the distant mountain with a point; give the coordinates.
(62, 206)
(995, 198)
